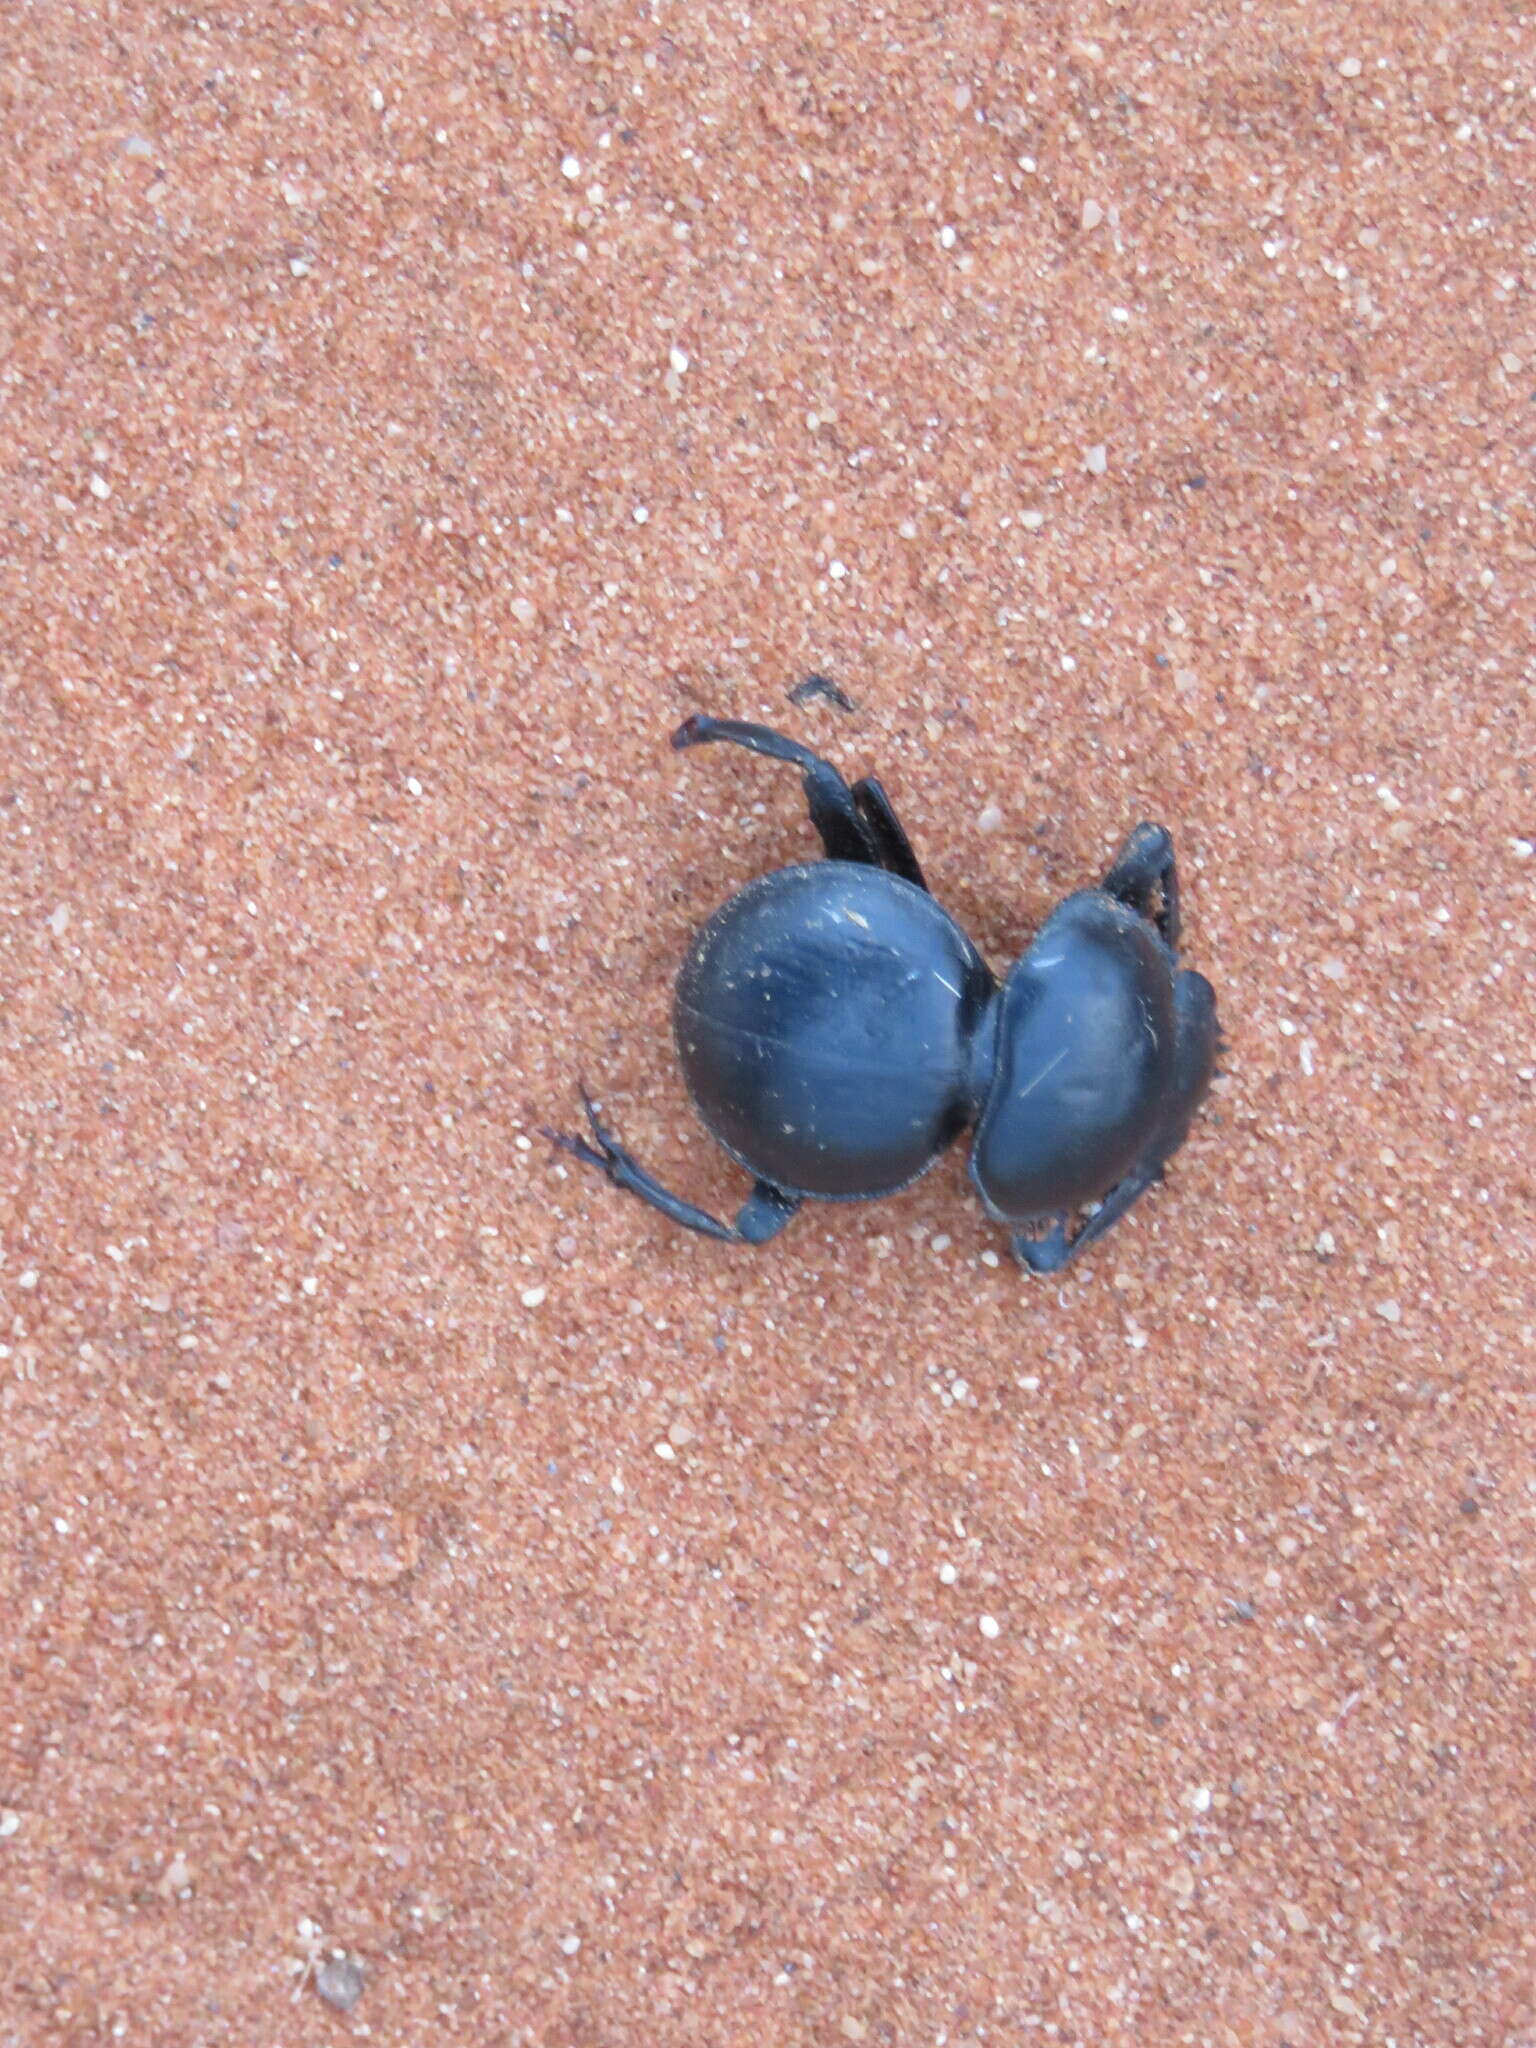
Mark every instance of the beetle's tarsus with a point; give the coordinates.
(821, 686)
(762, 1216)
(688, 734)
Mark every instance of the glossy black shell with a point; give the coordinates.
(1085, 1062)
(827, 1022)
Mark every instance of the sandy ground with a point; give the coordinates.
(441, 1601)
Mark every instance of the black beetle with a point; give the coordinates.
(838, 1030)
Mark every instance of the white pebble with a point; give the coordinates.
(534, 1297)
(1031, 521)
(570, 167)
(569, 1944)
(941, 1243)
(991, 819)
(1522, 849)
(679, 361)
(1389, 1311)
(1097, 459)
(947, 1575)
(946, 238)
(1093, 213)
(58, 923)
(299, 266)
(990, 1627)
(28, 1279)
(524, 610)
(1350, 68)
(665, 1450)
(640, 515)
(100, 488)
(989, 1258)
(10, 1821)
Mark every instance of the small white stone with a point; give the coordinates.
(1351, 67)
(1097, 459)
(679, 361)
(1031, 521)
(946, 238)
(376, 99)
(569, 1944)
(1093, 214)
(664, 1450)
(28, 1279)
(1522, 849)
(523, 610)
(100, 488)
(940, 1243)
(990, 1627)
(947, 1575)
(1511, 362)
(534, 1297)
(10, 1822)
(413, 785)
(991, 819)
(570, 167)
(1200, 1798)
(310, 1284)
(990, 1258)
(1389, 1311)
(299, 265)
(640, 515)
(837, 571)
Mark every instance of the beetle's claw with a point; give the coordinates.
(577, 1147)
(602, 1155)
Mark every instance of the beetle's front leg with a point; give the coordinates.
(1145, 866)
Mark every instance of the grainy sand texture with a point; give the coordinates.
(440, 1601)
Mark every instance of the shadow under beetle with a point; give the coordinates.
(837, 1031)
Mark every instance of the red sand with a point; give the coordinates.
(409, 414)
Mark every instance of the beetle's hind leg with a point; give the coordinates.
(761, 1216)
(855, 824)
(885, 828)
(1145, 866)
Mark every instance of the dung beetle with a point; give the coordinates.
(837, 1031)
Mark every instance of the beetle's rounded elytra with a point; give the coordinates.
(838, 1031)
